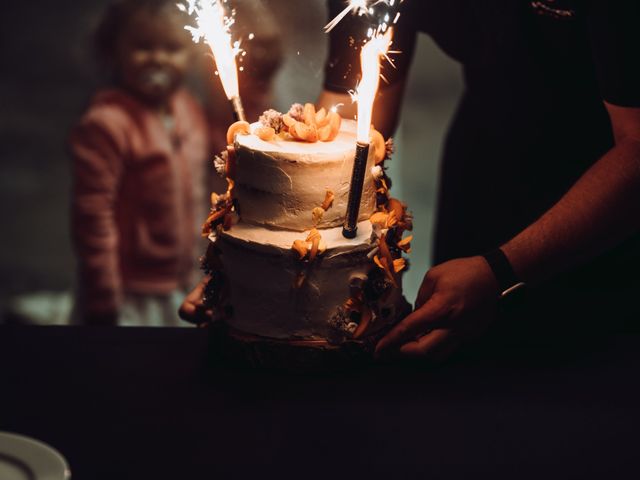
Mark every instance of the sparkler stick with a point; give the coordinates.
(366, 93)
(365, 7)
(213, 26)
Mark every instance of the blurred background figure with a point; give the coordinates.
(137, 154)
(49, 76)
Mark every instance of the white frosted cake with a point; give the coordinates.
(280, 267)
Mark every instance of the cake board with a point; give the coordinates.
(252, 351)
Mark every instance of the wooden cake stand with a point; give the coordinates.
(252, 351)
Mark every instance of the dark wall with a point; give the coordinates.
(46, 80)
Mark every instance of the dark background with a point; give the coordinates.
(48, 76)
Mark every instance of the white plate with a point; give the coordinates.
(23, 458)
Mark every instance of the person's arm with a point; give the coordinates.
(602, 209)
(97, 169)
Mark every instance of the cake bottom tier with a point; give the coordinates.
(268, 298)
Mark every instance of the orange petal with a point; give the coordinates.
(317, 214)
(324, 132)
(288, 120)
(399, 264)
(239, 127)
(335, 120)
(388, 259)
(379, 218)
(315, 243)
(329, 196)
(306, 133)
(309, 114)
(314, 233)
(300, 247)
(321, 115)
(265, 133)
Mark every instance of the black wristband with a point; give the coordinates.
(503, 271)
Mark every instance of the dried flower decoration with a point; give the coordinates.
(390, 148)
(296, 111)
(341, 326)
(222, 208)
(220, 163)
(273, 119)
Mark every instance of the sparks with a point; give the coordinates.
(365, 7)
(370, 56)
(213, 26)
(360, 7)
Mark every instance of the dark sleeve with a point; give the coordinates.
(615, 39)
(342, 68)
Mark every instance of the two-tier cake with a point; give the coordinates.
(281, 271)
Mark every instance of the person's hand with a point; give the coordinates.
(192, 309)
(456, 302)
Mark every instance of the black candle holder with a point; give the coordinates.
(350, 228)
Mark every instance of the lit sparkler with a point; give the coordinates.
(355, 6)
(365, 7)
(370, 56)
(213, 26)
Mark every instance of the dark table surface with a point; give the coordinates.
(152, 403)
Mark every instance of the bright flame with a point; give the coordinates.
(213, 25)
(375, 48)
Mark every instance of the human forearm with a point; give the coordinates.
(601, 210)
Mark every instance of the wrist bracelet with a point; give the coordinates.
(503, 272)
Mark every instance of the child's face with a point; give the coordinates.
(152, 55)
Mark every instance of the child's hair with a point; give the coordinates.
(115, 19)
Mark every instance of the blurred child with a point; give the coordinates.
(138, 155)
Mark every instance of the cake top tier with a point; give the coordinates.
(281, 183)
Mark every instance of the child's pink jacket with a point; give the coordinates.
(133, 207)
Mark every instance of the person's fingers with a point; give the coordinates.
(192, 310)
(425, 291)
(187, 311)
(437, 345)
(413, 325)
